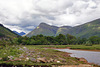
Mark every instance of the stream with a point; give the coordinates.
(90, 56)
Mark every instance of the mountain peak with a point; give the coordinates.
(66, 27)
(21, 33)
(43, 24)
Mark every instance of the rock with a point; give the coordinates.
(58, 61)
(32, 51)
(51, 60)
(10, 57)
(33, 59)
(55, 60)
(25, 48)
(82, 59)
(27, 59)
(27, 52)
(63, 60)
(4, 53)
(21, 56)
(21, 49)
(43, 60)
(17, 59)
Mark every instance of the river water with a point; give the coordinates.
(90, 56)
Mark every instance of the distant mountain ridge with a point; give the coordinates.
(85, 30)
(21, 33)
(5, 32)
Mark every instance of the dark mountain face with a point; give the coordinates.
(5, 32)
(21, 33)
(85, 30)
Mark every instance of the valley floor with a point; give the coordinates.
(40, 55)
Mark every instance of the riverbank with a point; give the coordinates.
(35, 56)
(75, 49)
(86, 50)
(51, 47)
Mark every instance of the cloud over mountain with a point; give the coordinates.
(25, 15)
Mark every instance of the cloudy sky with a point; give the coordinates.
(25, 15)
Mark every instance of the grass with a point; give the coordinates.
(93, 47)
(16, 51)
(55, 54)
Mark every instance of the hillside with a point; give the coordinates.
(63, 30)
(44, 29)
(5, 32)
(85, 30)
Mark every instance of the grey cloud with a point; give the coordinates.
(25, 15)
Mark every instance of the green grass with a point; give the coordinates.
(93, 47)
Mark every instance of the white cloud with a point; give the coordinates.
(30, 27)
(25, 15)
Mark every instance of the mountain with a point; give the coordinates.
(63, 30)
(44, 29)
(5, 32)
(21, 33)
(85, 30)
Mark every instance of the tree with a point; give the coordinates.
(70, 39)
(61, 39)
(95, 39)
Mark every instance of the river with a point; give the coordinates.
(90, 56)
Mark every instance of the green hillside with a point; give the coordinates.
(5, 32)
(44, 29)
(85, 30)
(63, 30)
